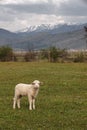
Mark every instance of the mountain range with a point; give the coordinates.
(44, 36)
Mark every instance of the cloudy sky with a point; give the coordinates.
(19, 14)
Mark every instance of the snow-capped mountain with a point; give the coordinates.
(59, 28)
(36, 28)
(44, 36)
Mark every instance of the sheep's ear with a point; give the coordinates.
(41, 83)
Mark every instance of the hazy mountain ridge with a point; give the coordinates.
(44, 36)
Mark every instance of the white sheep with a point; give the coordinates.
(30, 90)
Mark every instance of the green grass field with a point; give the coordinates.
(61, 103)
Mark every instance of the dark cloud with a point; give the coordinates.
(73, 8)
(84, 1)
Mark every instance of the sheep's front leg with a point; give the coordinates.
(30, 102)
(33, 103)
(14, 102)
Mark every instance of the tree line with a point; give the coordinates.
(51, 54)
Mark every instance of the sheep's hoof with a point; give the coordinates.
(30, 109)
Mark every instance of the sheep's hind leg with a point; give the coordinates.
(18, 103)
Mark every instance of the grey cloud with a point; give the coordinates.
(70, 8)
(6, 14)
(71, 11)
(31, 8)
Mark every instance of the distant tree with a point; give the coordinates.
(85, 28)
(53, 54)
(30, 56)
(6, 53)
(80, 57)
(62, 53)
(44, 54)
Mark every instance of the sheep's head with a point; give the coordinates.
(37, 83)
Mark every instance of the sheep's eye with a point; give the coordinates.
(33, 83)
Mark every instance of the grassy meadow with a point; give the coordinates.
(61, 103)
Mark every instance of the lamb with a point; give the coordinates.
(30, 90)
